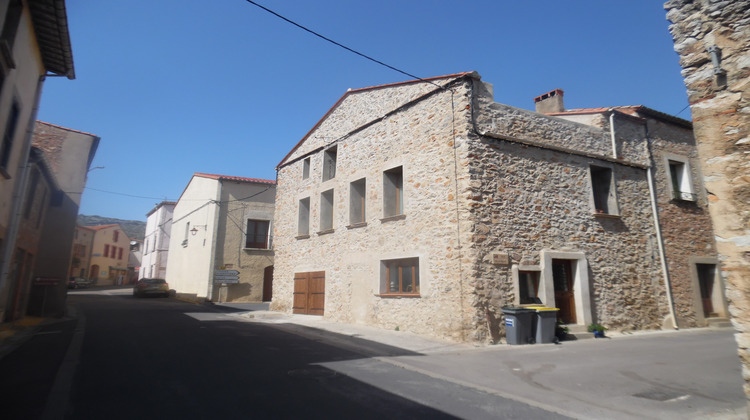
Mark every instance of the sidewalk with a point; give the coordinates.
(685, 374)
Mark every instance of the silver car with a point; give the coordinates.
(146, 287)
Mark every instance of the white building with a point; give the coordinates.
(156, 241)
(221, 247)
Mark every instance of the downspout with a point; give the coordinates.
(9, 243)
(612, 132)
(659, 240)
(214, 234)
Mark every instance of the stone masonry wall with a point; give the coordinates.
(719, 94)
(686, 226)
(419, 138)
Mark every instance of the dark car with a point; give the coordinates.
(78, 283)
(146, 287)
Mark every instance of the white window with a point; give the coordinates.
(306, 168)
(681, 181)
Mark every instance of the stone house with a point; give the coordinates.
(156, 241)
(426, 206)
(109, 255)
(221, 247)
(34, 43)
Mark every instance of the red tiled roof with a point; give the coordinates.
(350, 91)
(235, 178)
(632, 110)
(66, 129)
(100, 227)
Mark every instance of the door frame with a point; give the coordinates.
(718, 300)
(581, 287)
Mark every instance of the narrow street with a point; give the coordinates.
(163, 358)
(121, 357)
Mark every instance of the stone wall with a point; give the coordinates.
(419, 138)
(718, 91)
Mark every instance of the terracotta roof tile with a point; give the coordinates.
(235, 178)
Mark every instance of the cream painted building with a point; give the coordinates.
(109, 255)
(221, 247)
(425, 206)
(34, 43)
(156, 241)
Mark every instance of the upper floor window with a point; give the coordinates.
(106, 250)
(357, 194)
(329, 163)
(119, 253)
(257, 234)
(115, 236)
(10, 131)
(681, 182)
(393, 192)
(306, 168)
(303, 221)
(603, 189)
(326, 211)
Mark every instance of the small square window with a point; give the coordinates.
(393, 192)
(329, 163)
(357, 194)
(400, 276)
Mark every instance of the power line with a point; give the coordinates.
(339, 44)
(128, 195)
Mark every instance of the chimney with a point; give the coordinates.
(550, 102)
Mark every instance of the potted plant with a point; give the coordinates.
(561, 331)
(597, 329)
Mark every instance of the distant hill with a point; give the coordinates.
(134, 228)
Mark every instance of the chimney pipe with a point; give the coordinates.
(550, 102)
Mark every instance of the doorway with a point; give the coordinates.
(268, 284)
(562, 277)
(309, 293)
(706, 276)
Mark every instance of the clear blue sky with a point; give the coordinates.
(174, 87)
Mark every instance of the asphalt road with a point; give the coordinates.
(163, 358)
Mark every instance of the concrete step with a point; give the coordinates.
(578, 332)
(718, 322)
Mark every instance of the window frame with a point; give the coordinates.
(597, 184)
(330, 160)
(303, 218)
(386, 269)
(680, 184)
(358, 202)
(306, 168)
(326, 211)
(266, 244)
(393, 192)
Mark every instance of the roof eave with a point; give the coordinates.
(50, 21)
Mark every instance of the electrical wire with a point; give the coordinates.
(339, 44)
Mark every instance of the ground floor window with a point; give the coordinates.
(400, 276)
(528, 287)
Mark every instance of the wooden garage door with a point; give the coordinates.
(309, 293)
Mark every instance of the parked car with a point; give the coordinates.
(78, 283)
(146, 287)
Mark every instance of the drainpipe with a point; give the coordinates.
(612, 132)
(9, 244)
(659, 240)
(214, 235)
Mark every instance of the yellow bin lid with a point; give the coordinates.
(542, 308)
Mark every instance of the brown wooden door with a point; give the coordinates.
(309, 293)
(562, 276)
(268, 284)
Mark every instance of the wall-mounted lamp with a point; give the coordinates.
(194, 230)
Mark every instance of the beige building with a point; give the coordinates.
(426, 206)
(221, 247)
(80, 260)
(34, 43)
(109, 255)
